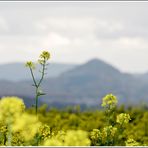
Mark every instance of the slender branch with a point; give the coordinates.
(39, 83)
(36, 101)
(33, 76)
(36, 86)
(43, 72)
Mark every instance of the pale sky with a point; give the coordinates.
(75, 32)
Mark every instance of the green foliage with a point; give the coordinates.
(112, 126)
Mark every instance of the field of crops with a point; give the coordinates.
(71, 127)
(112, 125)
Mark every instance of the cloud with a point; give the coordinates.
(55, 40)
(69, 26)
(75, 32)
(3, 25)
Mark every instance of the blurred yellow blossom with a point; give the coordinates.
(109, 101)
(44, 131)
(108, 132)
(123, 118)
(131, 142)
(45, 55)
(53, 142)
(70, 138)
(27, 125)
(95, 134)
(76, 138)
(30, 64)
(11, 107)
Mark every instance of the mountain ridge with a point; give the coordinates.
(18, 72)
(84, 84)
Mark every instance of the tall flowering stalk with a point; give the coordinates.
(43, 58)
(109, 103)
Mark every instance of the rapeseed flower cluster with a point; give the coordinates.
(95, 134)
(71, 138)
(53, 142)
(77, 138)
(123, 118)
(103, 137)
(109, 101)
(30, 64)
(131, 142)
(27, 125)
(14, 120)
(45, 56)
(11, 107)
(108, 132)
(96, 137)
(19, 127)
(44, 131)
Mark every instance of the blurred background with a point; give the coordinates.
(96, 48)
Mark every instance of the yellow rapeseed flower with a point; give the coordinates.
(45, 55)
(76, 138)
(70, 138)
(108, 132)
(95, 134)
(123, 118)
(27, 125)
(131, 142)
(53, 142)
(11, 107)
(30, 64)
(109, 101)
(44, 131)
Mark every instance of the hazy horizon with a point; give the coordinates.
(72, 64)
(76, 32)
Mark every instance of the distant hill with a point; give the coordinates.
(18, 71)
(90, 82)
(84, 84)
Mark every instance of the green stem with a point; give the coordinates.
(37, 85)
(33, 76)
(43, 73)
(36, 101)
(9, 133)
(5, 138)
